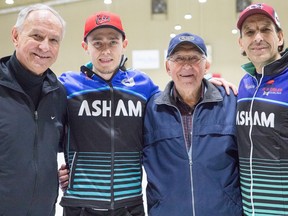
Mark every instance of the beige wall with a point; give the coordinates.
(213, 20)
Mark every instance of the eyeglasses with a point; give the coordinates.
(191, 60)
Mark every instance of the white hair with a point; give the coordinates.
(23, 14)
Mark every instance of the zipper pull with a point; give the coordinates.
(36, 115)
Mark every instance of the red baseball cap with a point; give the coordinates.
(258, 8)
(103, 19)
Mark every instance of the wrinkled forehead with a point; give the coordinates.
(42, 22)
(43, 15)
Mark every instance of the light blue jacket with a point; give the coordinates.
(203, 181)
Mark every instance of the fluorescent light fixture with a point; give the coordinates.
(188, 16)
(177, 27)
(172, 35)
(202, 1)
(10, 2)
(107, 1)
(234, 31)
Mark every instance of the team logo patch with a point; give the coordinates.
(186, 38)
(269, 88)
(128, 82)
(102, 19)
(256, 6)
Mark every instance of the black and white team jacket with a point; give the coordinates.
(104, 138)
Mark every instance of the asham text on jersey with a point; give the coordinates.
(255, 118)
(103, 108)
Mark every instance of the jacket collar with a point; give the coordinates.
(211, 94)
(8, 80)
(273, 68)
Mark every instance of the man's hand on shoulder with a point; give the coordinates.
(227, 85)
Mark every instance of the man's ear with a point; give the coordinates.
(207, 66)
(281, 38)
(124, 45)
(240, 44)
(85, 46)
(15, 36)
(167, 65)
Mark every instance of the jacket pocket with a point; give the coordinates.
(154, 209)
(161, 131)
(233, 195)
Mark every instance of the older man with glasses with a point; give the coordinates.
(190, 151)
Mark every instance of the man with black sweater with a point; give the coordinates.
(33, 105)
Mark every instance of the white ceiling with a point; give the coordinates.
(18, 4)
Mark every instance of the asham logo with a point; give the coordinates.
(103, 108)
(256, 118)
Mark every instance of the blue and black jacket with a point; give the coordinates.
(262, 126)
(104, 137)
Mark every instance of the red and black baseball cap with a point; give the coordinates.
(258, 8)
(103, 19)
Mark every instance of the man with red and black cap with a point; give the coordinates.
(190, 151)
(262, 113)
(106, 103)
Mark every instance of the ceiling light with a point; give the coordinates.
(234, 31)
(202, 1)
(107, 1)
(9, 2)
(188, 16)
(177, 27)
(172, 35)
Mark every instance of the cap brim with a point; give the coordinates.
(172, 50)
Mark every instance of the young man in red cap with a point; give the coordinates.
(106, 103)
(190, 151)
(262, 113)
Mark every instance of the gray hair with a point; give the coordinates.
(23, 14)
